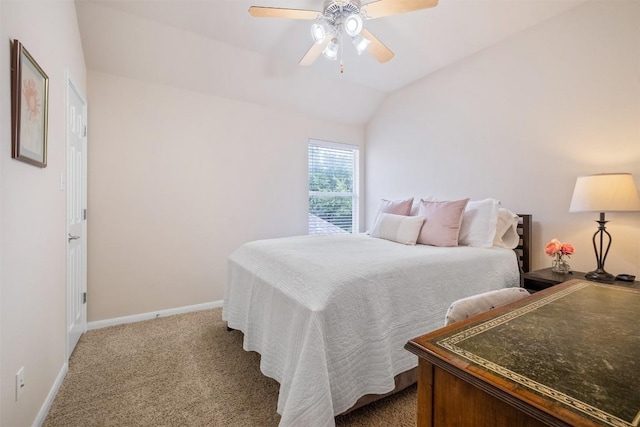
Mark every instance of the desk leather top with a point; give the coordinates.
(579, 347)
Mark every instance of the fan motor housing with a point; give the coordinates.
(335, 9)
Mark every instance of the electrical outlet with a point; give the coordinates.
(19, 382)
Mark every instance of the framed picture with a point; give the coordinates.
(29, 108)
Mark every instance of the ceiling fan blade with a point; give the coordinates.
(276, 12)
(314, 51)
(377, 48)
(380, 8)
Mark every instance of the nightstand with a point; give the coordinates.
(538, 280)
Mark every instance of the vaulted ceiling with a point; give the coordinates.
(216, 47)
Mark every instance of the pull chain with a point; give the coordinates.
(341, 50)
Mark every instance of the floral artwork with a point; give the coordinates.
(30, 87)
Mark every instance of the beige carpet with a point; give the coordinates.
(183, 370)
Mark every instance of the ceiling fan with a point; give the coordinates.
(340, 18)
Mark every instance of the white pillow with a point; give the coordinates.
(479, 222)
(506, 230)
(397, 228)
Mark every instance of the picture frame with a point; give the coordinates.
(29, 108)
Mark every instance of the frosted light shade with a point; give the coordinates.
(318, 33)
(331, 51)
(361, 43)
(609, 192)
(353, 25)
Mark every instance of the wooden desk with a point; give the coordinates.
(565, 356)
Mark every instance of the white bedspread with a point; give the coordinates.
(330, 315)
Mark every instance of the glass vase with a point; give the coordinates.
(560, 266)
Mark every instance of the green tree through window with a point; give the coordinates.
(332, 187)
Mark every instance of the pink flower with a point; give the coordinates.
(567, 249)
(553, 247)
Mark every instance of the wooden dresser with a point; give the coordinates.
(565, 356)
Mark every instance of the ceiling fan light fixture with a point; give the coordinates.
(353, 24)
(331, 51)
(361, 44)
(340, 17)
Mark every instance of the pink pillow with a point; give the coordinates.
(442, 222)
(396, 207)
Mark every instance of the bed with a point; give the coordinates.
(330, 315)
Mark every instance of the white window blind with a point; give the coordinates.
(333, 187)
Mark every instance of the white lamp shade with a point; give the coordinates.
(613, 192)
(318, 33)
(361, 44)
(331, 51)
(353, 25)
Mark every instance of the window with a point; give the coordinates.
(333, 187)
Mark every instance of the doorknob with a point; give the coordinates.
(72, 237)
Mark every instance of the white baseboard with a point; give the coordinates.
(44, 410)
(152, 315)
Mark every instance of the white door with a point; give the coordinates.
(76, 216)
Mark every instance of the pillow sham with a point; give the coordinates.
(397, 228)
(479, 222)
(397, 207)
(442, 222)
(506, 230)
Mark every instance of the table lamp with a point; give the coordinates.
(607, 192)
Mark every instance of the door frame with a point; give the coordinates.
(71, 86)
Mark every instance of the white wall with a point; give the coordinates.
(519, 122)
(33, 212)
(177, 181)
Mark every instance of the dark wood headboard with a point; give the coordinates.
(523, 248)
